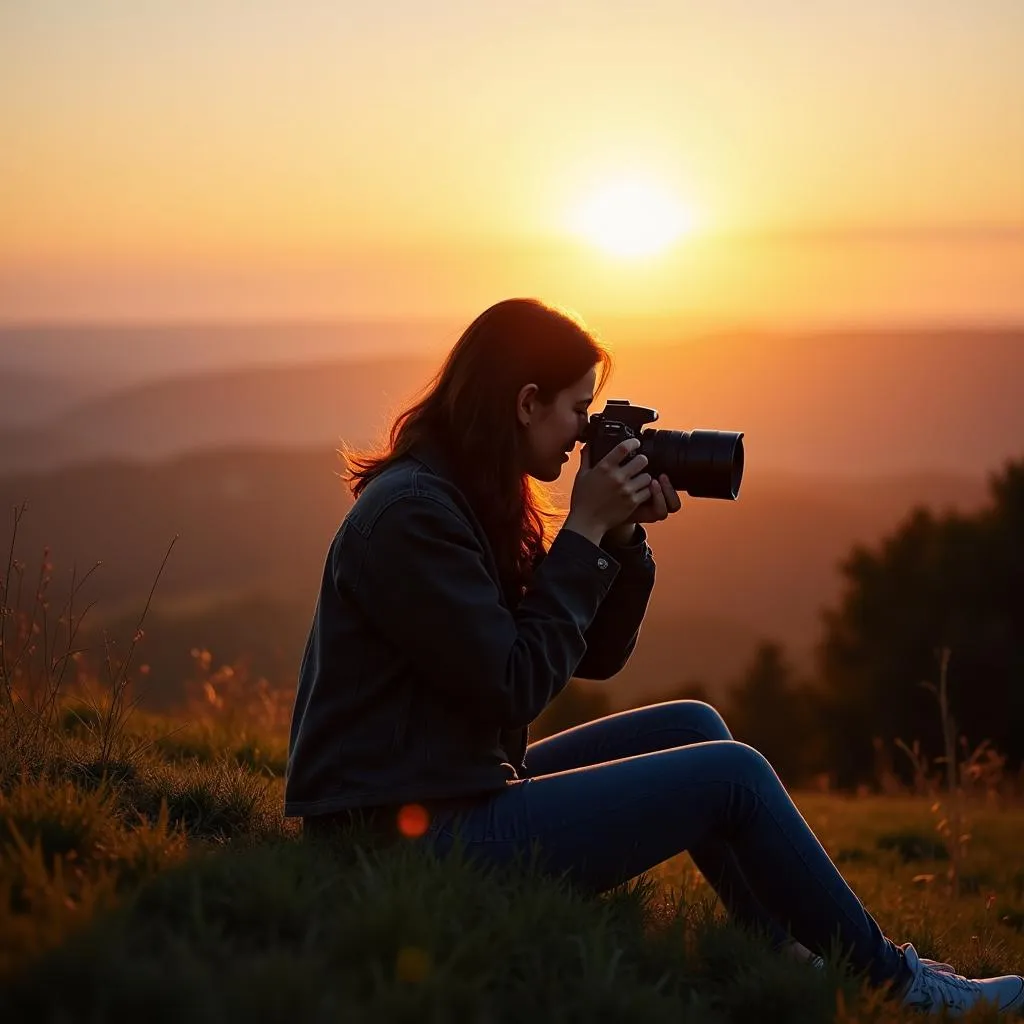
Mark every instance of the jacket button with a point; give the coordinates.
(602, 563)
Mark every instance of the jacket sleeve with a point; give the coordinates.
(419, 576)
(612, 635)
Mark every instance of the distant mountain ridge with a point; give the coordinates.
(120, 354)
(844, 403)
(291, 407)
(29, 398)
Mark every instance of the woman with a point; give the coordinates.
(447, 620)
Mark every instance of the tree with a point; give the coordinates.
(690, 689)
(772, 711)
(954, 581)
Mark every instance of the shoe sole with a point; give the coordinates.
(1017, 1001)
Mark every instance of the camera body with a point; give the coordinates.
(702, 463)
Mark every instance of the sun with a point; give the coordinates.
(632, 218)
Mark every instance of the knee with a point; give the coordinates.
(748, 762)
(699, 717)
(725, 761)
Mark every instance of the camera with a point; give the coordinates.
(703, 463)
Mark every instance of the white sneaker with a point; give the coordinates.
(799, 952)
(931, 989)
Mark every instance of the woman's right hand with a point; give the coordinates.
(606, 495)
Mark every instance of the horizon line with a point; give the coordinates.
(697, 324)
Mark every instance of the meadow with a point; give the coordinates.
(147, 871)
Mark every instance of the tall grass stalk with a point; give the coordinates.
(115, 714)
(950, 809)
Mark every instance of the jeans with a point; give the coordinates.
(607, 800)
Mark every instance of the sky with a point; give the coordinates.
(214, 160)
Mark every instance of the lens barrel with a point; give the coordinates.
(701, 463)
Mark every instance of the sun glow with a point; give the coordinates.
(632, 218)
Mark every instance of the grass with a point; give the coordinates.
(160, 881)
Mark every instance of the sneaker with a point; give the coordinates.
(799, 952)
(935, 965)
(930, 989)
(793, 950)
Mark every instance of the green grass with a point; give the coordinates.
(164, 885)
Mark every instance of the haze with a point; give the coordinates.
(845, 163)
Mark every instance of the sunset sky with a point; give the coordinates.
(795, 162)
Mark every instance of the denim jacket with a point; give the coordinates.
(418, 681)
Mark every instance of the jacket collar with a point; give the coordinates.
(433, 455)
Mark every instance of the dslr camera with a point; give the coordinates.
(703, 463)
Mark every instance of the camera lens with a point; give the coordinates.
(701, 463)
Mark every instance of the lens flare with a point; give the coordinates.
(413, 965)
(413, 820)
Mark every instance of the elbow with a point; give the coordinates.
(599, 672)
(599, 668)
(507, 712)
(525, 689)
(500, 707)
(518, 720)
(605, 665)
(517, 709)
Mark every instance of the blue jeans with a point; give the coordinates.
(608, 800)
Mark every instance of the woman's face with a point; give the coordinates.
(552, 430)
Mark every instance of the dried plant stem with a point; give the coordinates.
(56, 666)
(116, 712)
(7, 611)
(952, 822)
(956, 835)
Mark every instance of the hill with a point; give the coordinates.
(28, 398)
(293, 406)
(845, 403)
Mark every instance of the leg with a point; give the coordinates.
(645, 730)
(606, 823)
(673, 723)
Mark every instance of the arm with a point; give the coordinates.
(613, 634)
(419, 576)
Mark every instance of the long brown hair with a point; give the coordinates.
(468, 408)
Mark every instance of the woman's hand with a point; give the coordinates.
(609, 494)
(664, 500)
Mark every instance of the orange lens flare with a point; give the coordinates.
(412, 965)
(413, 820)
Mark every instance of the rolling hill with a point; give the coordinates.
(847, 403)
